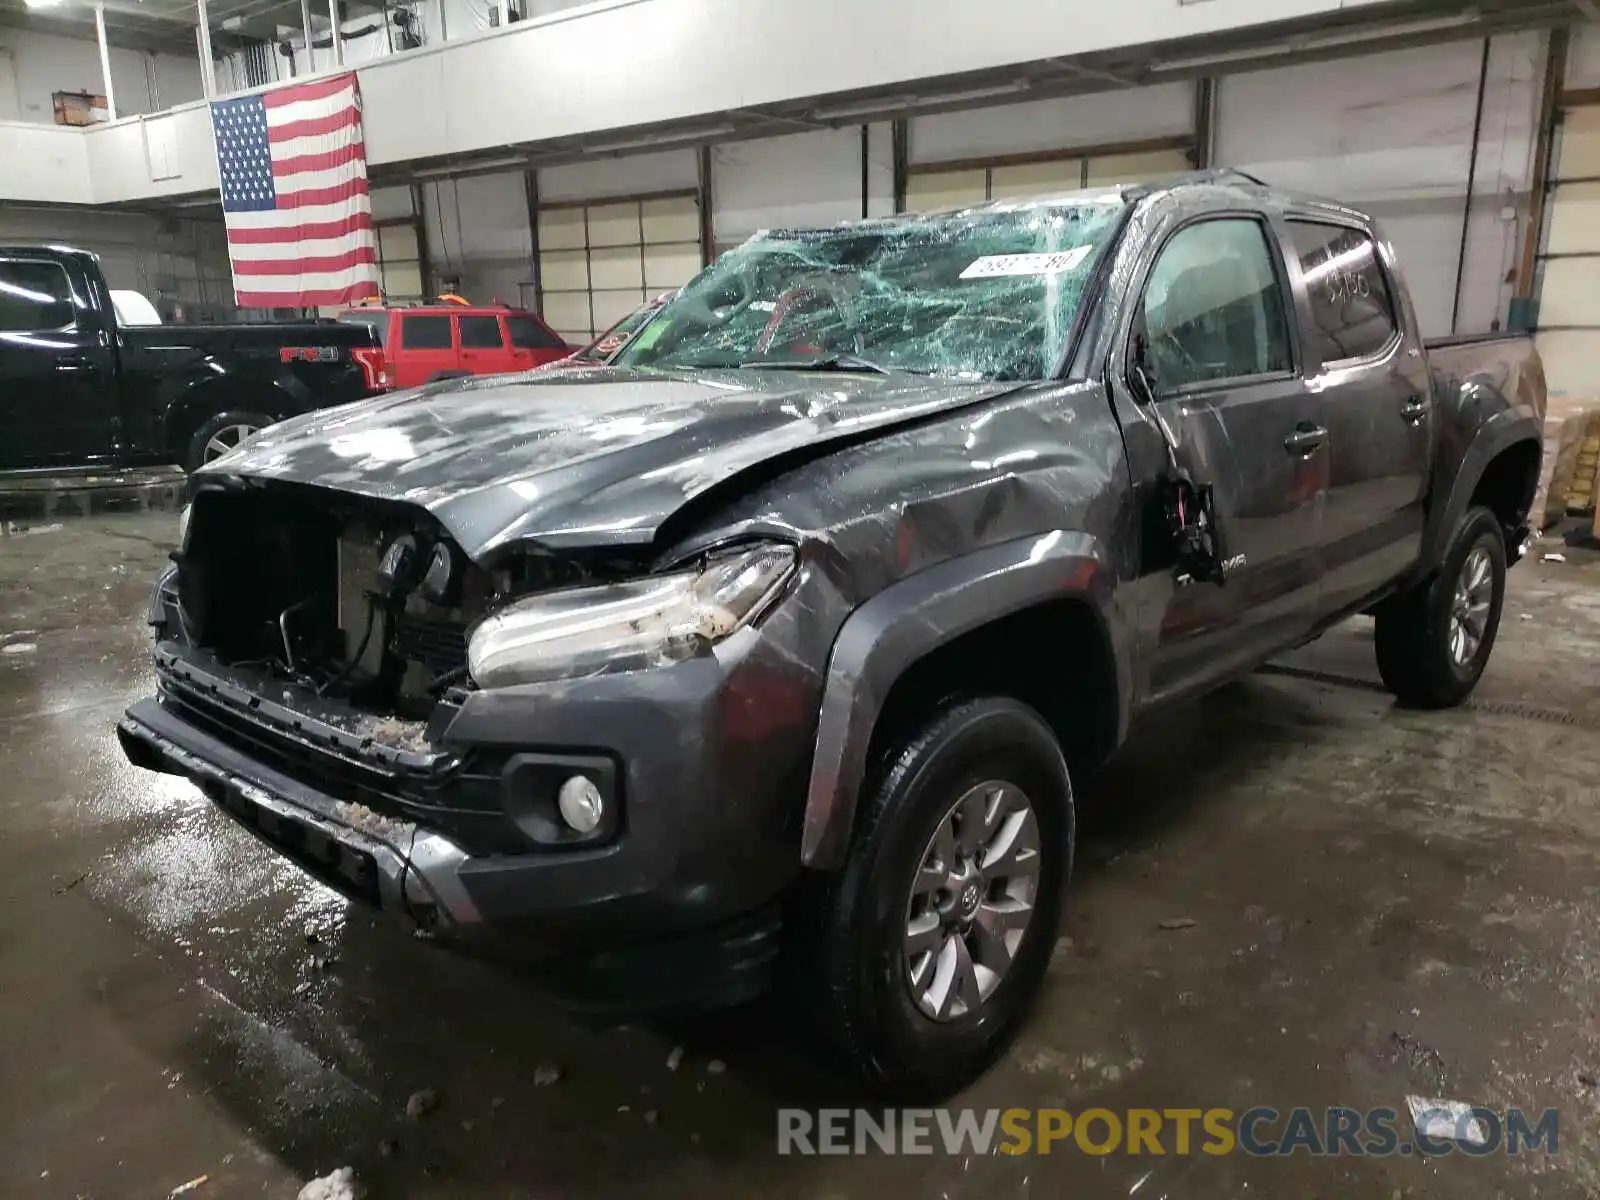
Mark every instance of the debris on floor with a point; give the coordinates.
(1555, 558)
(674, 1058)
(1448, 1120)
(185, 1188)
(421, 1103)
(341, 1185)
(19, 648)
(545, 1074)
(716, 1067)
(1173, 923)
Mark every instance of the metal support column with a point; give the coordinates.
(208, 65)
(1549, 114)
(424, 262)
(1205, 123)
(305, 29)
(105, 60)
(900, 139)
(708, 231)
(338, 39)
(530, 188)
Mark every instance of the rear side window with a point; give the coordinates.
(480, 333)
(1352, 311)
(34, 296)
(375, 321)
(424, 332)
(528, 334)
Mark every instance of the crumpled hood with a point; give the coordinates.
(590, 458)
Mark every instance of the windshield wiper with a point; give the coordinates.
(823, 362)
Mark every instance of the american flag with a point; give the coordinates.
(294, 195)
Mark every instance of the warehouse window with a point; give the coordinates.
(600, 261)
(399, 261)
(934, 186)
(1351, 309)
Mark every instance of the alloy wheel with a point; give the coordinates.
(972, 900)
(225, 439)
(1469, 608)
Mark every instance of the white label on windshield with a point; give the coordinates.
(992, 266)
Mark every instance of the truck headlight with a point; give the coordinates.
(627, 626)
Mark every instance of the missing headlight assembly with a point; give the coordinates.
(376, 605)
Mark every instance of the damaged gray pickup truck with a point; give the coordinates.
(782, 641)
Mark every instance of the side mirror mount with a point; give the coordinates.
(1141, 375)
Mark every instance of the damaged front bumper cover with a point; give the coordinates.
(407, 872)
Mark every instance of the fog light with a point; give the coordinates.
(581, 804)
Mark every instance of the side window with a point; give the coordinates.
(480, 333)
(34, 296)
(425, 332)
(528, 334)
(1352, 312)
(1213, 307)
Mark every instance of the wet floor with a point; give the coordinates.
(1292, 894)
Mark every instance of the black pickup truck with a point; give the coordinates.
(786, 636)
(78, 390)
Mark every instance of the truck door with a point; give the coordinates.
(483, 346)
(427, 348)
(1377, 401)
(1217, 342)
(58, 390)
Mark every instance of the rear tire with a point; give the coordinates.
(886, 936)
(1433, 641)
(221, 434)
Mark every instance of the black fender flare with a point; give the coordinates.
(1496, 435)
(889, 633)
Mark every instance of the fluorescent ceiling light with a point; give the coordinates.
(44, 3)
(487, 165)
(660, 139)
(1327, 41)
(891, 103)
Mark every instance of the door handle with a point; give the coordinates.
(1305, 439)
(72, 364)
(1414, 409)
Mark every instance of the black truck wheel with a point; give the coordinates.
(1434, 640)
(934, 938)
(221, 434)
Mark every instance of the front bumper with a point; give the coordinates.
(400, 869)
(680, 909)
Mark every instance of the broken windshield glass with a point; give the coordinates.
(982, 293)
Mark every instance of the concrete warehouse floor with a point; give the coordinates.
(1384, 902)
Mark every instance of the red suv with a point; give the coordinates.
(426, 342)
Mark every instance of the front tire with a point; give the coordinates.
(220, 434)
(1433, 641)
(936, 934)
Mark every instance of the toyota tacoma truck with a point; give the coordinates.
(777, 647)
(85, 390)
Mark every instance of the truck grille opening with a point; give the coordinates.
(294, 582)
(344, 596)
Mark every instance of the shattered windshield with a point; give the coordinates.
(983, 293)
